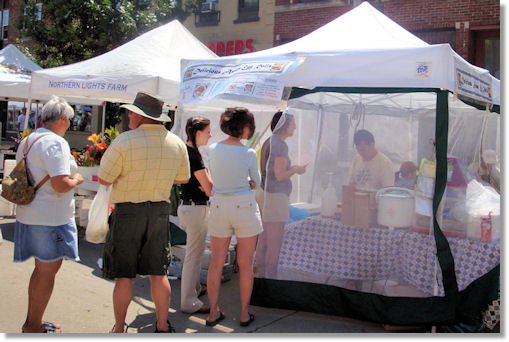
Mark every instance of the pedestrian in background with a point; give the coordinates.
(45, 229)
(233, 209)
(193, 214)
(141, 165)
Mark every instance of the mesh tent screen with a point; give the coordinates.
(348, 218)
(354, 210)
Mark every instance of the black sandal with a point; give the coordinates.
(170, 328)
(219, 319)
(246, 323)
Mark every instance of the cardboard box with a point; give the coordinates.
(348, 205)
(358, 209)
(365, 210)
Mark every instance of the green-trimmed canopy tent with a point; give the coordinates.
(422, 103)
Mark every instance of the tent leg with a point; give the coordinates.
(318, 142)
(27, 114)
(103, 121)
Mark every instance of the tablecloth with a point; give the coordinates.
(326, 248)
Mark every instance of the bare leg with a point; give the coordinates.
(40, 289)
(261, 250)
(122, 295)
(245, 252)
(160, 291)
(275, 232)
(219, 250)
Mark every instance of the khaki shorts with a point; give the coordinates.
(274, 206)
(237, 215)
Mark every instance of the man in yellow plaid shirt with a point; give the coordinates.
(142, 165)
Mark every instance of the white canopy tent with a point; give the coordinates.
(15, 71)
(365, 48)
(362, 70)
(150, 62)
(362, 48)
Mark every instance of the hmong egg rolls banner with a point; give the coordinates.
(261, 80)
(472, 83)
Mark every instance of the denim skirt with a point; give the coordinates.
(45, 243)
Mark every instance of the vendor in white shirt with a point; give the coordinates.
(371, 170)
(20, 123)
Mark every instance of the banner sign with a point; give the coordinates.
(473, 86)
(87, 85)
(260, 80)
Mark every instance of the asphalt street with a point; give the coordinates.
(82, 302)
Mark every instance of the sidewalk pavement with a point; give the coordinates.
(82, 302)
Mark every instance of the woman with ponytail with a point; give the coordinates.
(193, 214)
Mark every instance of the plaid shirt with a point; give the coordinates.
(143, 163)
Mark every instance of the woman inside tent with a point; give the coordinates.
(273, 197)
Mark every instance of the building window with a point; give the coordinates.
(209, 14)
(5, 27)
(248, 11)
(38, 14)
(38, 11)
(438, 36)
(487, 50)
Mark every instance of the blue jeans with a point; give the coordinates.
(46, 243)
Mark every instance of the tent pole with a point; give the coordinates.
(103, 121)
(29, 109)
(36, 114)
(257, 141)
(318, 141)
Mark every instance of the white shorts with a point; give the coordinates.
(237, 215)
(277, 206)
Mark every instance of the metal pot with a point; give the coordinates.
(395, 207)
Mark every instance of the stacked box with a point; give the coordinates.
(82, 204)
(359, 208)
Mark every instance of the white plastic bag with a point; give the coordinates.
(97, 226)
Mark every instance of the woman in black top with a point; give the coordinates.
(193, 214)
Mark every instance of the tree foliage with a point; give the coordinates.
(74, 30)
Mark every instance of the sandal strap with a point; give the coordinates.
(125, 330)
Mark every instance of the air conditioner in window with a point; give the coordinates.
(208, 7)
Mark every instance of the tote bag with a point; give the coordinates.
(97, 226)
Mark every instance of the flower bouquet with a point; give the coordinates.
(91, 155)
(89, 158)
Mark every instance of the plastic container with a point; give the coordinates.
(329, 202)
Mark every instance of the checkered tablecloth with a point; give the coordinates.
(327, 248)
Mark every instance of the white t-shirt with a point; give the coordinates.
(371, 175)
(49, 155)
(21, 121)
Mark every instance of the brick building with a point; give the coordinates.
(471, 27)
(232, 27)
